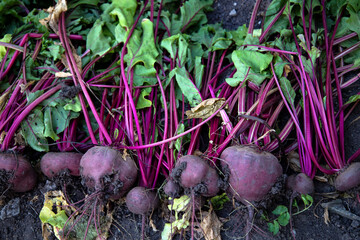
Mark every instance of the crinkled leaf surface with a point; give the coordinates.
(213, 37)
(143, 75)
(176, 45)
(143, 50)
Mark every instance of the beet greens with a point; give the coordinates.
(154, 80)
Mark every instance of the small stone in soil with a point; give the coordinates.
(11, 209)
(232, 13)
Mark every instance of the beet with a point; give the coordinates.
(252, 172)
(192, 172)
(141, 200)
(349, 178)
(17, 172)
(172, 189)
(300, 183)
(54, 163)
(106, 170)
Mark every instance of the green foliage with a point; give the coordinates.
(192, 13)
(142, 49)
(283, 218)
(283, 215)
(307, 201)
(48, 120)
(250, 65)
(212, 37)
(176, 45)
(219, 200)
(186, 86)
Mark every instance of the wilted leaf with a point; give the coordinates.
(326, 216)
(55, 213)
(179, 205)
(63, 74)
(321, 179)
(211, 225)
(54, 15)
(218, 201)
(23, 87)
(206, 108)
(3, 100)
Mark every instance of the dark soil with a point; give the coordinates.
(19, 213)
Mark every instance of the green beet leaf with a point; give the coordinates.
(49, 130)
(288, 90)
(142, 101)
(143, 75)
(32, 129)
(143, 50)
(256, 60)
(274, 227)
(213, 37)
(191, 14)
(176, 45)
(280, 209)
(199, 71)
(187, 87)
(97, 40)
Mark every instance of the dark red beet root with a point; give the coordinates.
(53, 163)
(300, 183)
(106, 170)
(19, 173)
(349, 178)
(141, 201)
(212, 183)
(252, 172)
(193, 172)
(172, 189)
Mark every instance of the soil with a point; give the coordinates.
(19, 213)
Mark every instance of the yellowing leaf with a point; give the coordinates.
(63, 74)
(54, 15)
(210, 226)
(206, 108)
(58, 218)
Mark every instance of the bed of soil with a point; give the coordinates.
(19, 213)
